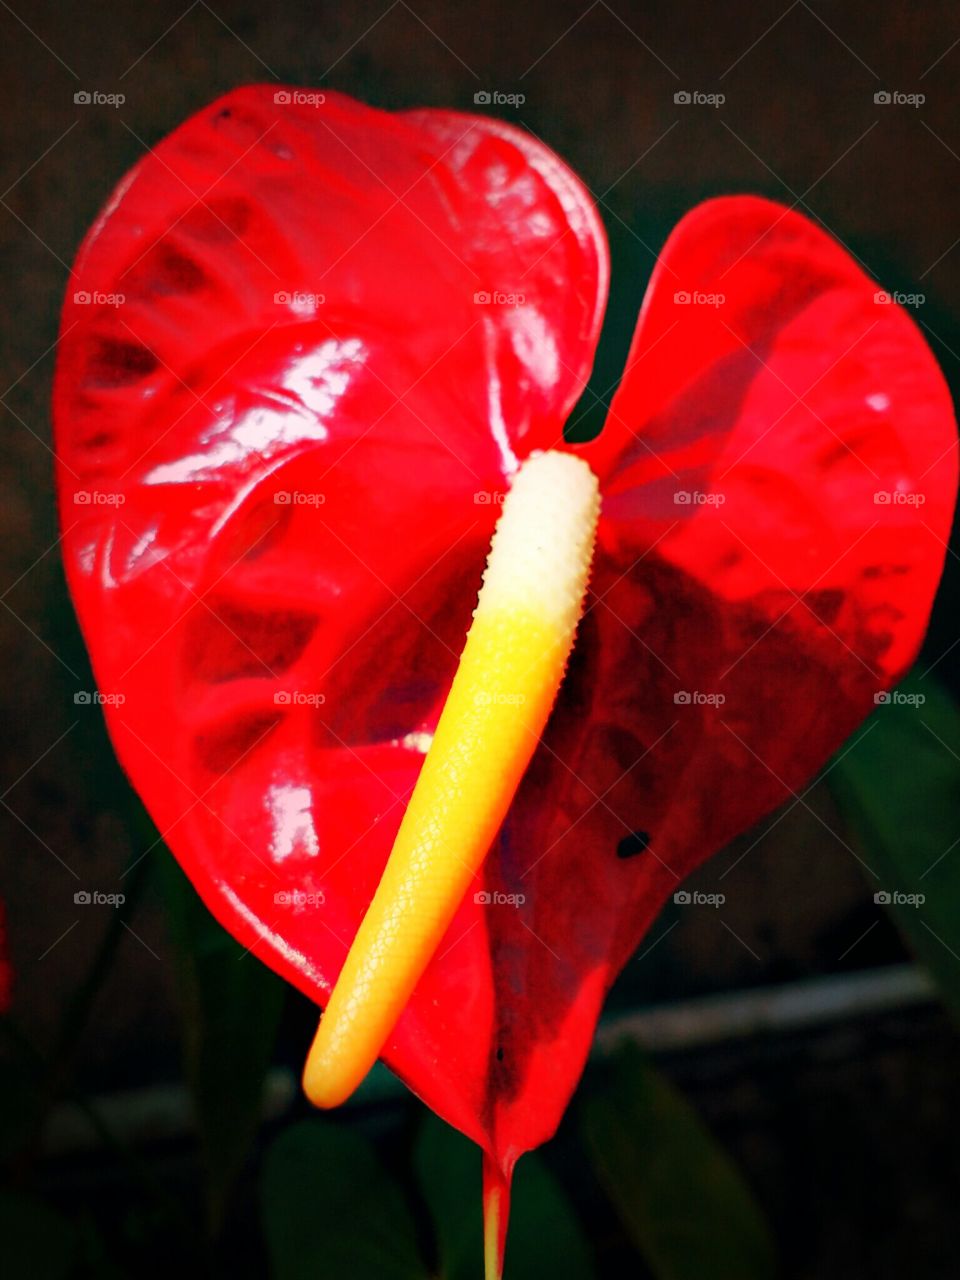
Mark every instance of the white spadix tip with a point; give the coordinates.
(541, 551)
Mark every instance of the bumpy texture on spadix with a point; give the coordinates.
(343, 331)
(502, 693)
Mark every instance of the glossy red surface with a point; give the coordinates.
(291, 435)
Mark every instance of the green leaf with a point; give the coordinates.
(21, 1106)
(898, 787)
(230, 1007)
(35, 1240)
(331, 1210)
(680, 1198)
(544, 1237)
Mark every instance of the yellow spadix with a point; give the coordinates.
(502, 694)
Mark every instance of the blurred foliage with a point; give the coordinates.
(35, 1240)
(230, 1009)
(898, 786)
(331, 1209)
(684, 1204)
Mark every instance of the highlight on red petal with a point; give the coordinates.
(540, 339)
(285, 421)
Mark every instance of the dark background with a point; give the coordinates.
(849, 1138)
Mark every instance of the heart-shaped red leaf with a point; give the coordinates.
(280, 457)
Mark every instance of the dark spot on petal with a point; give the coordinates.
(226, 641)
(825, 605)
(99, 440)
(219, 750)
(500, 1054)
(114, 363)
(218, 221)
(163, 272)
(633, 844)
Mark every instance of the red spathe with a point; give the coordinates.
(303, 350)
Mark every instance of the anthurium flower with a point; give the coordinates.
(306, 349)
